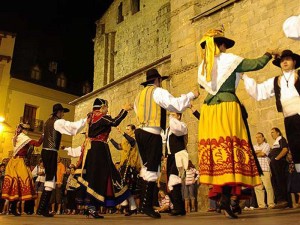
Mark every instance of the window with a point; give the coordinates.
(35, 73)
(29, 115)
(86, 88)
(120, 13)
(53, 67)
(135, 6)
(61, 81)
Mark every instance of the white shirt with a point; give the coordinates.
(265, 89)
(167, 101)
(69, 128)
(35, 172)
(74, 152)
(276, 143)
(177, 127)
(289, 96)
(264, 162)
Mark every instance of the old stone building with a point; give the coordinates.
(135, 35)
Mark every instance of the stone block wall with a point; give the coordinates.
(139, 39)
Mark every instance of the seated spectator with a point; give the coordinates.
(165, 204)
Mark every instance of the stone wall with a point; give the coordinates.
(174, 27)
(137, 41)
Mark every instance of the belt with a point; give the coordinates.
(50, 149)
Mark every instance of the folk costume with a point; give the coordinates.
(130, 164)
(226, 159)
(150, 107)
(130, 167)
(82, 198)
(177, 162)
(102, 180)
(18, 183)
(53, 130)
(286, 89)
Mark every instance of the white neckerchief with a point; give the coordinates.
(22, 140)
(224, 65)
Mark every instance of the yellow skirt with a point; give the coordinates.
(225, 157)
(18, 183)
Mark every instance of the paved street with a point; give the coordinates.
(255, 217)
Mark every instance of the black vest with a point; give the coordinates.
(176, 143)
(163, 118)
(277, 91)
(52, 137)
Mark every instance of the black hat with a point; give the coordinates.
(58, 107)
(98, 103)
(287, 53)
(151, 75)
(228, 42)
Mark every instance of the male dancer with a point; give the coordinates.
(177, 161)
(55, 126)
(150, 107)
(286, 88)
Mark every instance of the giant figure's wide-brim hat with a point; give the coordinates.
(151, 75)
(218, 36)
(287, 53)
(228, 42)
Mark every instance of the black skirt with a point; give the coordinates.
(102, 180)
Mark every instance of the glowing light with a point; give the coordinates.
(1, 128)
(1, 119)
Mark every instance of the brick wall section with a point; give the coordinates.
(254, 25)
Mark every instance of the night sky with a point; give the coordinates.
(60, 30)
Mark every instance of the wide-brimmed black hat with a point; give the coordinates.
(287, 53)
(228, 42)
(98, 103)
(218, 36)
(58, 107)
(151, 75)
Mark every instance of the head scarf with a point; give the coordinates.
(211, 50)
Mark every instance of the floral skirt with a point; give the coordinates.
(18, 183)
(225, 156)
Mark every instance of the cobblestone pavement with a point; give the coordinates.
(255, 217)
